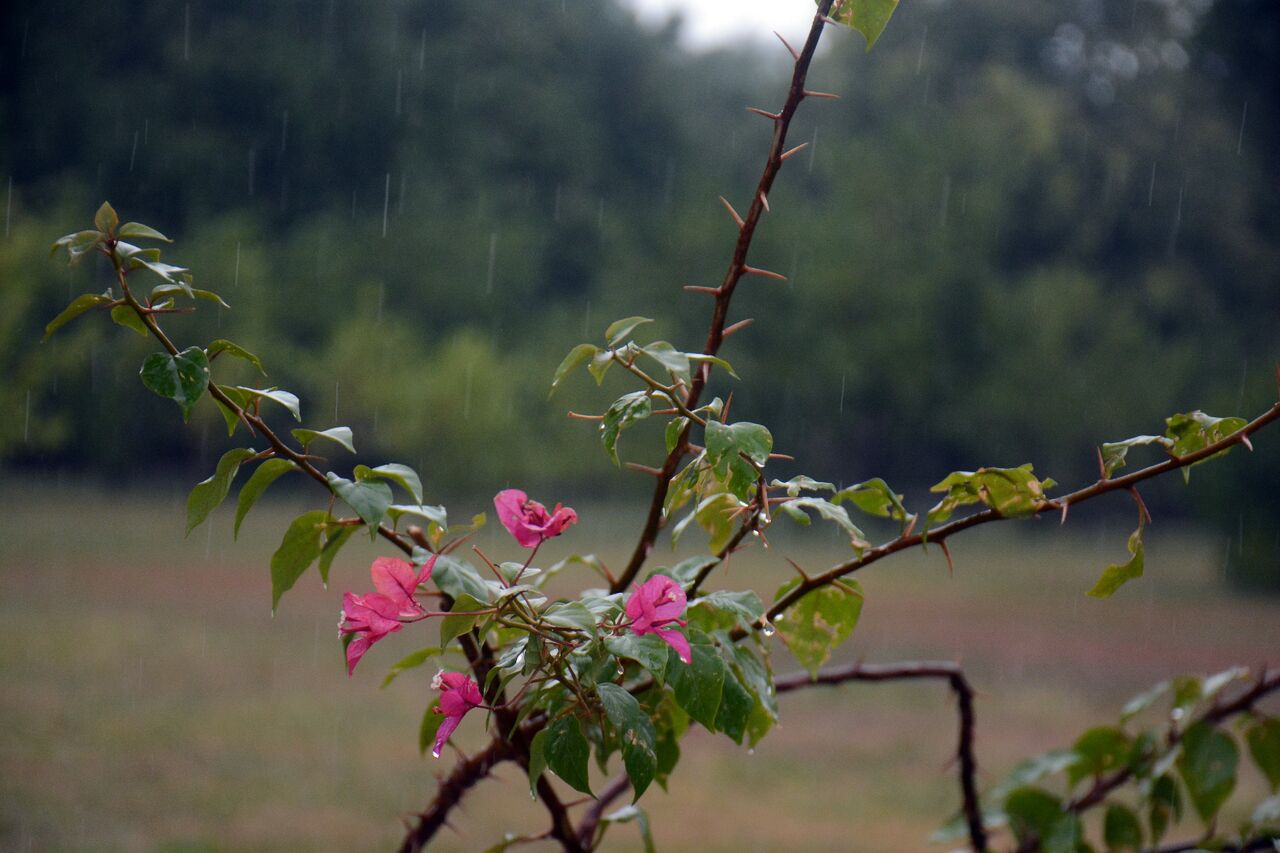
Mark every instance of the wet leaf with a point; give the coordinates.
(78, 306)
(182, 378)
(1118, 574)
(820, 621)
(265, 474)
(207, 494)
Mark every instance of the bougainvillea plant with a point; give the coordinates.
(624, 670)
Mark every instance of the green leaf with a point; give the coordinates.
(207, 494)
(537, 760)
(1121, 828)
(411, 661)
(78, 244)
(431, 720)
(161, 291)
(599, 365)
(1195, 430)
(1208, 768)
(713, 359)
(78, 306)
(576, 356)
(736, 705)
(265, 474)
(235, 351)
(1036, 815)
(1263, 738)
(1011, 492)
(672, 360)
(648, 650)
(635, 733)
(458, 578)
(729, 447)
(671, 435)
(105, 220)
(874, 497)
(436, 515)
(370, 500)
(402, 475)
(334, 539)
(138, 231)
(1165, 806)
(868, 17)
(298, 550)
(1114, 452)
(338, 435)
(123, 315)
(1142, 701)
(820, 621)
(453, 626)
(228, 414)
(571, 614)
(795, 509)
(1101, 750)
(567, 753)
(620, 329)
(283, 398)
(715, 514)
(687, 570)
(698, 686)
(182, 378)
(743, 608)
(624, 412)
(1118, 574)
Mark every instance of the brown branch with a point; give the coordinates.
(452, 788)
(938, 534)
(724, 294)
(954, 675)
(591, 819)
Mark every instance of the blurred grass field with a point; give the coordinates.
(151, 702)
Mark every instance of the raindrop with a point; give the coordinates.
(843, 376)
(386, 202)
(186, 33)
(8, 207)
(1244, 114)
(1151, 189)
(493, 254)
(133, 155)
(1177, 714)
(813, 149)
(26, 27)
(924, 39)
(751, 751)
(235, 280)
(766, 628)
(422, 50)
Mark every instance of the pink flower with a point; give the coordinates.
(458, 694)
(372, 617)
(654, 607)
(528, 521)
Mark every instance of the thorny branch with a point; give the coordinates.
(724, 293)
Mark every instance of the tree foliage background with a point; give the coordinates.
(1025, 229)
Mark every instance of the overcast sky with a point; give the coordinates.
(711, 22)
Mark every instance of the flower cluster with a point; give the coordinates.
(371, 617)
(655, 607)
(528, 521)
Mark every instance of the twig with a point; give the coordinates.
(452, 788)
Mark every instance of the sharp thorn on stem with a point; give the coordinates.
(799, 570)
(1102, 466)
(791, 50)
(578, 416)
(643, 469)
(1143, 512)
(1244, 439)
(764, 200)
(827, 19)
(765, 113)
(796, 150)
(911, 525)
(736, 218)
(741, 324)
(811, 94)
(697, 288)
(1065, 506)
(776, 276)
(786, 457)
(724, 413)
(946, 552)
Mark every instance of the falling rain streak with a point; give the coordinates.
(386, 203)
(1244, 114)
(493, 255)
(8, 207)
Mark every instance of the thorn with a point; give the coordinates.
(808, 94)
(796, 150)
(799, 570)
(581, 417)
(776, 276)
(1102, 466)
(764, 200)
(791, 50)
(697, 288)
(736, 218)
(741, 324)
(643, 469)
(784, 456)
(1244, 439)
(827, 19)
(1065, 506)
(911, 525)
(724, 413)
(765, 113)
(416, 534)
(1142, 506)
(946, 552)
